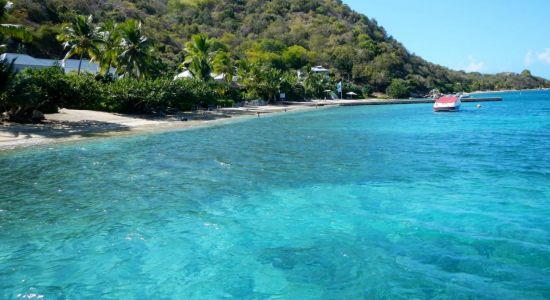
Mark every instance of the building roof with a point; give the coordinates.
(319, 69)
(72, 65)
(22, 59)
(184, 74)
(219, 77)
(26, 61)
(188, 74)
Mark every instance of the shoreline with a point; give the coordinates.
(78, 125)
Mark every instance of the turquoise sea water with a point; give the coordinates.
(377, 202)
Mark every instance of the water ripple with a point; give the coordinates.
(385, 202)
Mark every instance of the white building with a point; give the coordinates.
(321, 70)
(24, 61)
(184, 74)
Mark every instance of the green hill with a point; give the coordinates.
(289, 34)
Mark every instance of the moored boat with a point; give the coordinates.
(447, 103)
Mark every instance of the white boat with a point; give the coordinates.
(447, 103)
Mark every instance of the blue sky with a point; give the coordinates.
(488, 36)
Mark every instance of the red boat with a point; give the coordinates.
(447, 103)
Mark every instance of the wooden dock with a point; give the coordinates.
(382, 101)
(488, 99)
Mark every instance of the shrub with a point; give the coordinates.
(155, 96)
(367, 91)
(224, 90)
(292, 87)
(294, 93)
(30, 90)
(130, 95)
(47, 89)
(398, 89)
(6, 73)
(350, 87)
(225, 103)
(191, 93)
(83, 92)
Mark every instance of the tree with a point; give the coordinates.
(526, 73)
(11, 30)
(267, 52)
(398, 89)
(135, 50)
(81, 38)
(223, 64)
(34, 89)
(353, 45)
(343, 58)
(260, 81)
(199, 56)
(315, 84)
(291, 86)
(109, 39)
(366, 91)
(6, 73)
(296, 57)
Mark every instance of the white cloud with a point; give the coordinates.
(474, 66)
(529, 58)
(544, 56)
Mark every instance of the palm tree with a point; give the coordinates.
(11, 30)
(223, 64)
(199, 56)
(80, 37)
(260, 80)
(315, 84)
(109, 38)
(135, 50)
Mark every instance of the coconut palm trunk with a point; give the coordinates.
(80, 63)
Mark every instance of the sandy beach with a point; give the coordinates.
(71, 125)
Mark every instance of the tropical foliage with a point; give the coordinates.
(33, 90)
(135, 50)
(48, 89)
(284, 34)
(398, 88)
(80, 37)
(123, 46)
(13, 31)
(6, 73)
(199, 56)
(109, 43)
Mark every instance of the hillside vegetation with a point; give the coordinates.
(284, 34)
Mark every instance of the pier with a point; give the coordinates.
(383, 101)
(488, 99)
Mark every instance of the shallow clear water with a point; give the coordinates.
(345, 203)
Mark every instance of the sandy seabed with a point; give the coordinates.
(72, 125)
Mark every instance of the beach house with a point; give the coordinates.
(321, 70)
(24, 61)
